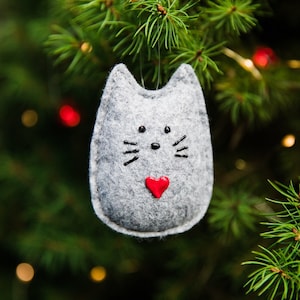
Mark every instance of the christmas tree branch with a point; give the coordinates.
(232, 16)
(277, 267)
(157, 36)
(170, 31)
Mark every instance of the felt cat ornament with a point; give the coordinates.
(151, 170)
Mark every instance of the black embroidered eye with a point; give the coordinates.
(142, 129)
(167, 129)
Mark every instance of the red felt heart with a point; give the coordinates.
(157, 186)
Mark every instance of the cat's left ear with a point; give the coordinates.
(120, 77)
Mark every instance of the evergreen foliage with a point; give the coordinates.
(278, 266)
(55, 52)
(155, 31)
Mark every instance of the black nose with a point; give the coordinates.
(155, 146)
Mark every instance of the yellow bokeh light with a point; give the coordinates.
(288, 141)
(29, 118)
(98, 274)
(240, 164)
(86, 47)
(294, 64)
(25, 272)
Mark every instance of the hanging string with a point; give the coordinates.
(159, 66)
(141, 72)
(159, 61)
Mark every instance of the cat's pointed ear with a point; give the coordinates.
(118, 92)
(184, 74)
(120, 77)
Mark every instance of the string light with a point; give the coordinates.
(86, 47)
(98, 274)
(245, 63)
(69, 116)
(29, 118)
(248, 63)
(288, 141)
(24, 272)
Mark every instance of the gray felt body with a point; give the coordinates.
(119, 195)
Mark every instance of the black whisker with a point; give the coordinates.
(181, 149)
(129, 143)
(183, 156)
(131, 151)
(179, 141)
(131, 160)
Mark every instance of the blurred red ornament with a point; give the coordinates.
(69, 116)
(264, 57)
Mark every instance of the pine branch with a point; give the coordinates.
(277, 268)
(162, 21)
(199, 54)
(233, 213)
(247, 93)
(72, 48)
(157, 36)
(168, 31)
(232, 16)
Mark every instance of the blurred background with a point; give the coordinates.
(52, 246)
